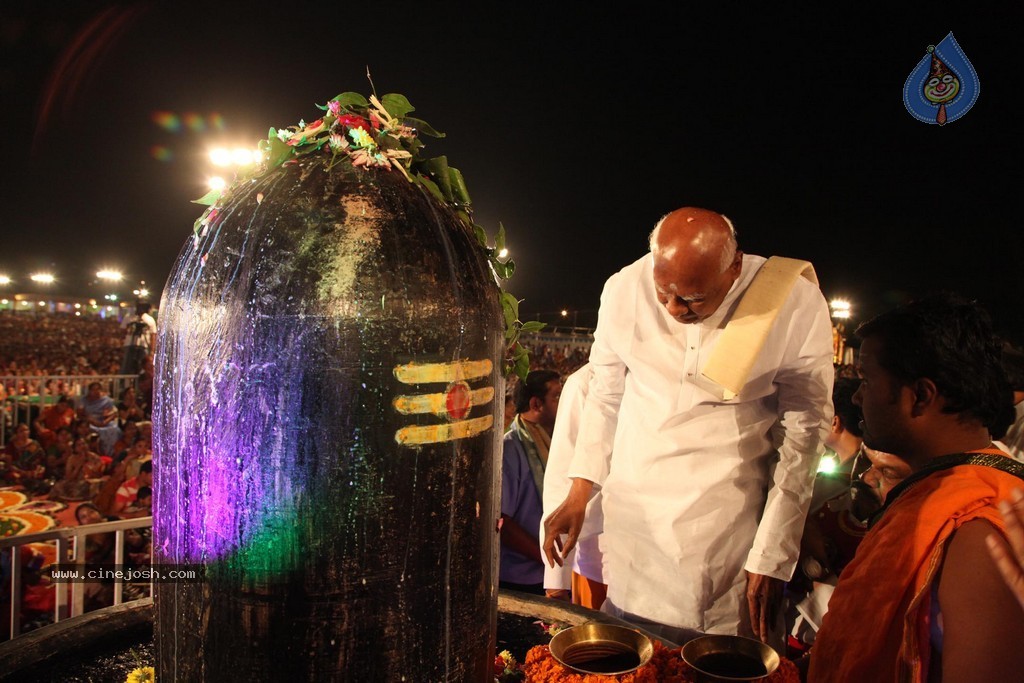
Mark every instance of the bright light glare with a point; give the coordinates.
(840, 305)
(220, 156)
(241, 156)
(45, 278)
(4, 302)
(143, 292)
(564, 313)
(112, 275)
(840, 314)
(78, 305)
(827, 465)
(42, 303)
(216, 183)
(4, 280)
(503, 253)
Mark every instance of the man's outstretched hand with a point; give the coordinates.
(764, 599)
(567, 519)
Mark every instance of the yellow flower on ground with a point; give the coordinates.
(144, 674)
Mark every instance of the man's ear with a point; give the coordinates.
(536, 404)
(837, 424)
(926, 396)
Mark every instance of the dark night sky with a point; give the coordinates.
(577, 128)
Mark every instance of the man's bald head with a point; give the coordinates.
(696, 262)
(700, 231)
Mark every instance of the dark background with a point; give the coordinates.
(576, 127)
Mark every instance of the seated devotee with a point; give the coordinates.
(922, 601)
(60, 414)
(127, 494)
(144, 501)
(524, 457)
(1013, 363)
(58, 453)
(25, 460)
(120, 471)
(99, 550)
(129, 435)
(81, 474)
(38, 594)
(581, 578)
(96, 407)
(129, 408)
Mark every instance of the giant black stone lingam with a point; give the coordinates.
(325, 443)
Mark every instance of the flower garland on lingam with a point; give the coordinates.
(378, 135)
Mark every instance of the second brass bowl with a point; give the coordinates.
(717, 658)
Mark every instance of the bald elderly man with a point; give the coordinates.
(705, 495)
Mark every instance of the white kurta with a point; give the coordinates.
(686, 498)
(587, 559)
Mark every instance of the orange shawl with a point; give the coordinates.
(877, 625)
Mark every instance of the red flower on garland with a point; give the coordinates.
(353, 121)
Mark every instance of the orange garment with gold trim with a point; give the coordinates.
(878, 620)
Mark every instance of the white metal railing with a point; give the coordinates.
(70, 542)
(27, 395)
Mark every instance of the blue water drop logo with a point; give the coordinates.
(943, 86)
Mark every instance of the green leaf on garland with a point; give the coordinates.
(388, 142)
(438, 169)
(521, 366)
(504, 269)
(352, 99)
(414, 146)
(533, 326)
(481, 235)
(500, 269)
(430, 185)
(396, 105)
(210, 198)
(499, 241)
(421, 126)
(459, 186)
(275, 151)
(510, 308)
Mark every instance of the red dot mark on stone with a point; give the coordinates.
(457, 400)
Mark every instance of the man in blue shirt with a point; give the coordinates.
(524, 458)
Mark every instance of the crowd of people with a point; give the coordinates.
(39, 344)
(72, 450)
(76, 443)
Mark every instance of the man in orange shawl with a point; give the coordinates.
(922, 599)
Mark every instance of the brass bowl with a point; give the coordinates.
(602, 649)
(717, 658)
